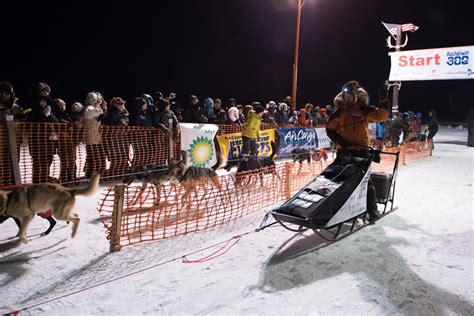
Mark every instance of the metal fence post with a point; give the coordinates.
(116, 229)
(13, 146)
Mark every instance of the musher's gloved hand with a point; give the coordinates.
(383, 97)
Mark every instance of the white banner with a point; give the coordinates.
(323, 139)
(433, 64)
(356, 204)
(198, 141)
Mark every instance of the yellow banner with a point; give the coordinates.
(231, 144)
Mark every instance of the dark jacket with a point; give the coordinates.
(194, 114)
(115, 117)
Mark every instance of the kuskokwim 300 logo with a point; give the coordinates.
(457, 58)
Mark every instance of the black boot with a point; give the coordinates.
(373, 215)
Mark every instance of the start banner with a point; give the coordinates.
(231, 144)
(433, 64)
(198, 141)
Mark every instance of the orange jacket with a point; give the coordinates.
(352, 124)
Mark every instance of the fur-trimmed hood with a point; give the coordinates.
(362, 96)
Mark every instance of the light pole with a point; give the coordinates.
(297, 45)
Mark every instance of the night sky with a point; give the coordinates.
(228, 48)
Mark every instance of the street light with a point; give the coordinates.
(297, 45)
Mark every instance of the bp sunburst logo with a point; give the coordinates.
(201, 151)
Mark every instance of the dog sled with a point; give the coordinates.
(334, 204)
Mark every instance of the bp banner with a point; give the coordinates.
(291, 138)
(231, 144)
(198, 141)
(433, 64)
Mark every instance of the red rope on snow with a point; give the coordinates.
(206, 258)
(215, 254)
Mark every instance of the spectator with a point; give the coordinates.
(139, 112)
(231, 103)
(117, 144)
(251, 131)
(379, 134)
(309, 110)
(433, 126)
(234, 117)
(268, 115)
(288, 102)
(150, 108)
(95, 161)
(294, 119)
(304, 118)
(7, 101)
(241, 114)
(220, 115)
(246, 110)
(76, 112)
(282, 115)
(324, 116)
(192, 113)
(164, 116)
(42, 138)
(175, 107)
(64, 144)
(208, 108)
(397, 125)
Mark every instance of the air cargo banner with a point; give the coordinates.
(231, 144)
(308, 138)
(291, 138)
(198, 141)
(433, 64)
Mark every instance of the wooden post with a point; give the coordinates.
(13, 146)
(116, 229)
(170, 145)
(297, 45)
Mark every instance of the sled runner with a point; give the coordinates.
(336, 199)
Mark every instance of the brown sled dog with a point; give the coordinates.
(25, 203)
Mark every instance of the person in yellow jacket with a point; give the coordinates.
(348, 127)
(251, 131)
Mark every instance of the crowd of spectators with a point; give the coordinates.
(154, 110)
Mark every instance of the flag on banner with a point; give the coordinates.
(407, 27)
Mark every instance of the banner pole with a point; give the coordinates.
(396, 87)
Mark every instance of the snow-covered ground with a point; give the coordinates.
(417, 260)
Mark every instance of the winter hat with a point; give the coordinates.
(258, 109)
(117, 101)
(162, 104)
(6, 87)
(282, 106)
(148, 99)
(93, 98)
(172, 96)
(77, 107)
(233, 114)
(271, 104)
